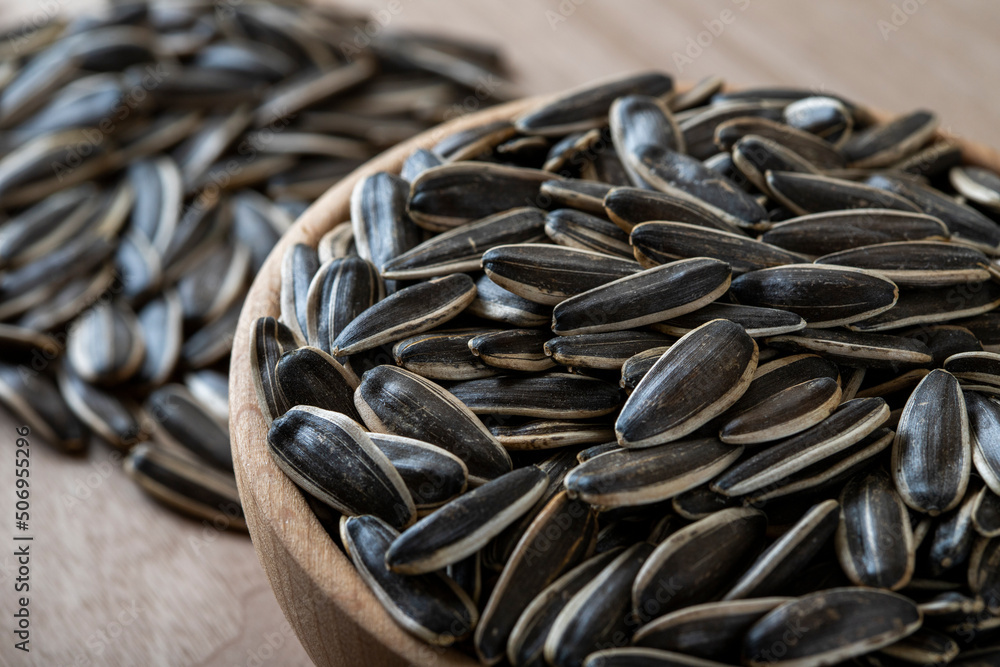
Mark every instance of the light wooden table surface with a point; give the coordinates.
(117, 580)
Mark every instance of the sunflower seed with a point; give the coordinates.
(977, 367)
(925, 646)
(986, 513)
(826, 117)
(699, 128)
(462, 526)
(607, 351)
(639, 120)
(756, 321)
(382, 230)
(785, 558)
(576, 229)
(678, 287)
(983, 571)
(814, 150)
(309, 376)
(882, 145)
(874, 539)
(924, 306)
(517, 350)
(497, 304)
(698, 562)
(550, 433)
(810, 193)
(527, 638)
(784, 414)
(395, 401)
(549, 274)
(587, 107)
(536, 563)
(837, 231)
(825, 296)
(116, 419)
(36, 400)
(443, 355)
(917, 264)
(462, 249)
(753, 156)
(628, 477)
(977, 184)
(269, 340)
(627, 207)
(182, 423)
(660, 242)
(332, 458)
(597, 612)
(953, 535)
(636, 367)
(586, 196)
(190, 488)
(711, 631)
(675, 398)
(337, 243)
(419, 161)
(855, 348)
(338, 293)
(432, 475)
(932, 454)
(549, 396)
(298, 266)
(105, 345)
(848, 424)
(835, 625)
(409, 311)
(430, 606)
(453, 194)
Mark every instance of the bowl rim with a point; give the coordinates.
(283, 528)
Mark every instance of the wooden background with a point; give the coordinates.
(117, 580)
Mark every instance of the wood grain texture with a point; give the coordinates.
(201, 596)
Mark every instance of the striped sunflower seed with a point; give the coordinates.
(515, 350)
(585, 196)
(917, 264)
(836, 231)
(497, 304)
(548, 396)
(105, 345)
(826, 117)
(855, 348)
(464, 525)
(812, 149)
(550, 434)
(608, 351)
(887, 143)
(310, 376)
(809, 193)
(338, 293)
(657, 243)
(757, 322)
(627, 207)
(784, 414)
(431, 606)
(577, 229)
(977, 184)
(185, 425)
(432, 475)
(671, 402)
(442, 355)
(333, 459)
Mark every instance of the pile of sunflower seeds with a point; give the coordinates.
(657, 378)
(150, 157)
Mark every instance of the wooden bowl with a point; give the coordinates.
(334, 613)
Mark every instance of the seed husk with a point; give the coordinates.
(784, 559)
(711, 631)
(697, 379)
(984, 420)
(186, 486)
(577, 229)
(586, 196)
(836, 624)
(636, 367)
(814, 150)
(36, 400)
(698, 562)
(887, 143)
(810, 193)
(474, 142)
(411, 310)
(549, 274)
(627, 207)
(836, 231)
(684, 176)
(699, 127)
(338, 293)
(856, 348)
(631, 477)
(461, 249)
(754, 156)
(849, 423)
(775, 376)
(331, 457)
(298, 266)
(105, 345)
(382, 229)
(757, 322)
(597, 611)
(497, 304)
(310, 376)
(984, 574)
(986, 513)
(430, 606)
(161, 322)
(919, 307)
(977, 184)
(442, 355)
(516, 350)
(432, 475)
(337, 243)
(950, 540)
(975, 367)
(116, 419)
(640, 120)
(826, 117)
(548, 396)
(527, 638)
(550, 434)
(871, 510)
(674, 289)
(454, 194)
(465, 524)
(657, 243)
(925, 646)
(825, 296)
(699, 502)
(917, 264)
(607, 351)
(784, 414)
(269, 340)
(182, 422)
(398, 402)
(587, 107)
(535, 564)
(932, 453)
